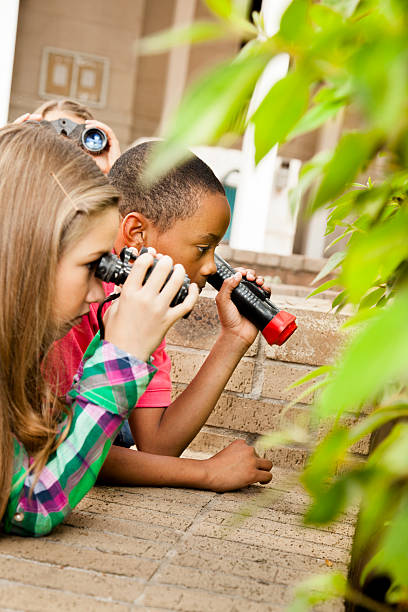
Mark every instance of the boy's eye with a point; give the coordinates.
(203, 249)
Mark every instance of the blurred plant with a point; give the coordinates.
(344, 53)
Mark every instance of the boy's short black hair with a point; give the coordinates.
(175, 196)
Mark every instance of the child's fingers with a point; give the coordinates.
(228, 286)
(263, 464)
(247, 273)
(138, 272)
(159, 274)
(264, 477)
(251, 275)
(27, 117)
(21, 118)
(187, 304)
(173, 285)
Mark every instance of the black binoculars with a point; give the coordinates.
(114, 269)
(92, 139)
(251, 300)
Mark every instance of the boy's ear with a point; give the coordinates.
(133, 230)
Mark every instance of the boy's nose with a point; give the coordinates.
(209, 267)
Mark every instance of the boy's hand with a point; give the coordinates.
(108, 157)
(235, 467)
(230, 318)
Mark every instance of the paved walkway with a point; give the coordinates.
(173, 549)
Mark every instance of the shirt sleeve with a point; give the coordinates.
(105, 389)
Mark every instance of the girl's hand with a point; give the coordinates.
(109, 155)
(28, 117)
(232, 322)
(235, 467)
(139, 319)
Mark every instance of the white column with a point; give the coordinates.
(8, 29)
(255, 191)
(178, 63)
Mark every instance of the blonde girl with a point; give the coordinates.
(58, 216)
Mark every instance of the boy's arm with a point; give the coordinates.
(170, 431)
(234, 467)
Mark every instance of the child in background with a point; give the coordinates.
(184, 215)
(51, 451)
(78, 113)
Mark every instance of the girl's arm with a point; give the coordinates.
(107, 386)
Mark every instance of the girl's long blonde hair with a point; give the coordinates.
(49, 193)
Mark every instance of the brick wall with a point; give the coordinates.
(256, 397)
(294, 269)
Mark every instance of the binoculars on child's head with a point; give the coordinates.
(251, 300)
(92, 139)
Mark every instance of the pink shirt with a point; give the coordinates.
(70, 349)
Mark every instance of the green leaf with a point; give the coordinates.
(377, 355)
(332, 263)
(293, 25)
(329, 504)
(316, 116)
(344, 7)
(322, 370)
(373, 256)
(308, 174)
(208, 109)
(382, 93)
(340, 237)
(342, 209)
(375, 420)
(379, 501)
(327, 285)
(392, 453)
(354, 150)
(292, 435)
(227, 9)
(338, 300)
(279, 111)
(323, 462)
(391, 557)
(200, 31)
(316, 589)
(372, 298)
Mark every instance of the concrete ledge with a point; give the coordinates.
(291, 269)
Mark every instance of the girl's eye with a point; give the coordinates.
(203, 249)
(92, 265)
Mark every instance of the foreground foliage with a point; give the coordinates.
(345, 54)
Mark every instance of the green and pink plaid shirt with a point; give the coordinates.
(105, 390)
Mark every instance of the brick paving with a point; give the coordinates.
(193, 551)
(174, 549)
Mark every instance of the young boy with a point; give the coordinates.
(184, 215)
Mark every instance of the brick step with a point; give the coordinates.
(256, 397)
